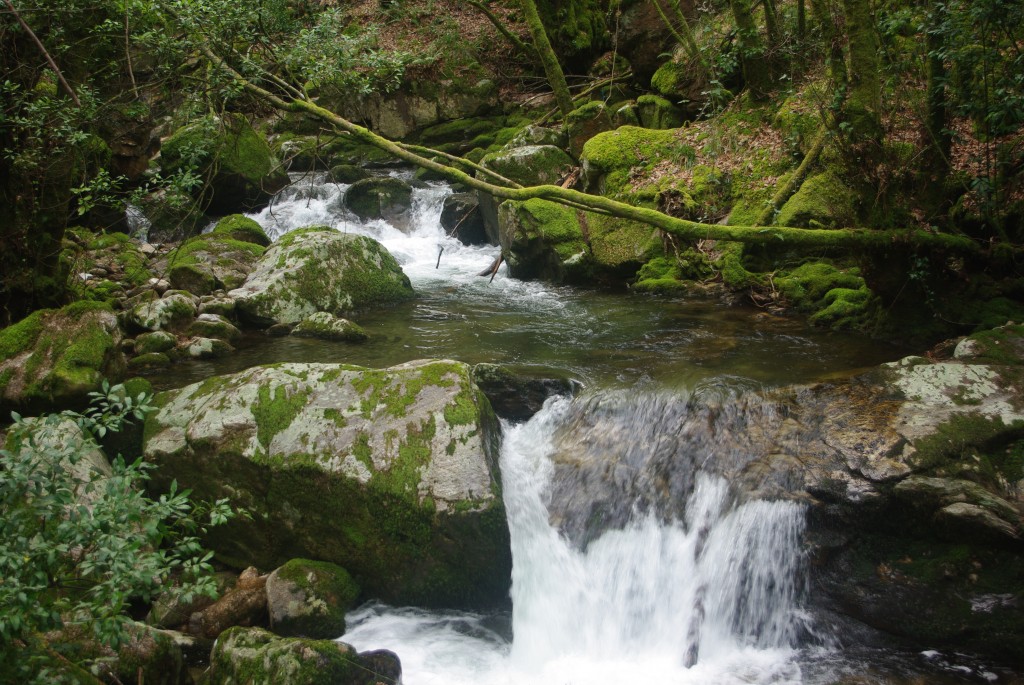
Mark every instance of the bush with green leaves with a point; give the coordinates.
(80, 541)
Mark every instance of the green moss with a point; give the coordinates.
(275, 412)
(240, 228)
(20, 337)
(973, 447)
(823, 201)
(1001, 345)
(658, 113)
(613, 155)
(558, 225)
(806, 286)
(845, 308)
(734, 273)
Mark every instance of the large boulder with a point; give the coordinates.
(148, 655)
(56, 357)
(244, 174)
(257, 657)
(318, 269)
(461, 218)
(530, 165)
(389, 473)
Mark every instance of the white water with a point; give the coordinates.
(725, 584)
(720, 590)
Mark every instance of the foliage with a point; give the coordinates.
(81, 541)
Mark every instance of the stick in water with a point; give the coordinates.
(439, 258)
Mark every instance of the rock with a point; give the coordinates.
(245, 174)
(966, 507)
(213, 326)
(388, 473)
(309, 599)
(538, 135)
(329, 327)
(381, 197)
(157, 341)
(207, 348)
(531, 165)
(257, 657)
(318, 269)
(461, 217)
(544, 241)
(149, 655)
(80, 457)
(169, 611)
(55, 357)
(175, 311)
(347, 173)
(220, 259)
(149, 360)
(220, 305)
(243, 605)
(823, 201)
(658, 113)
(517, 395)
(584, 123)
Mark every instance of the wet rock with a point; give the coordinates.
(149, 360)
(217, 260)
(149, 655)
(259, 657)
(318, 269)
(381, 197)
(157, 341)
(461, 217)
(309, 599)
(221, 305)
(516, 395)
(347, 173)
(388, 473)
(329, 327)
(207, 348)
(531, 165)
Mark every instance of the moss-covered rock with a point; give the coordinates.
(529, 166)
(174, 312)
(318, 269)
(823, 201)
(329, 327)
(544, 241)
(213, 326)
(347, 173)
(381, 197)
(658, 113)
(256, 657)
(157, 341)
(609, 158)
(55, 357)
(149, 360)
(244, 174)
(309, 599)
(584, 123)
(241, 228)
(148, 655)
(206, 348)
(105, 266)
(518, 393)
(390, 473)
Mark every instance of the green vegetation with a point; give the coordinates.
(69, 562)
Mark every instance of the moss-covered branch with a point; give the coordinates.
(548, 58)
(853, 239)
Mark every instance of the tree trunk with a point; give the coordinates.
(755, 68)
(940, 141)
(771, 25)
(864, 100)
(548, 58)
(836, 61)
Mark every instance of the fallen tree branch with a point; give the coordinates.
(860, 239)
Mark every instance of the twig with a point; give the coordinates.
(42, 49)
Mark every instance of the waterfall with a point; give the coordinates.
(712, 598)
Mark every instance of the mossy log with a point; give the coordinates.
(857, 240)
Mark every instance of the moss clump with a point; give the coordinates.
(658, 113)
(241, 228)
(256, 656)
(610, 158)
(1002, 345)
(807, 285)
(275, 411)
(823, 201)
(670, 274)
(845, 308)
(735, 275)
(972, 447)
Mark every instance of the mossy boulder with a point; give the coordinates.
(157, 341)
(257, 657)
(174, 312)
(319, 269)
(206, 348)
(330, 327)
(834, 297)
(657, 112)
(531, 165)
(309, 599)
(221, 259)
(584, 123)
(55, 357)
(347, 173)
(824, 200)
(518, 393)
(546, 241)
(391, 474)
(538, 135)
(244, 174)
(609, 158)
(104, 266)
(212, 326)
(381, 197)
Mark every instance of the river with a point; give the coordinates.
(716, 592)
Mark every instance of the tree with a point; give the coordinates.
(548, 58)
(80, 540)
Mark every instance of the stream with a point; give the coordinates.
(716, 593)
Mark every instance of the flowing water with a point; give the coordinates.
(704, 584)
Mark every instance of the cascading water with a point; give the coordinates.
(641, 549)
(713, 598)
